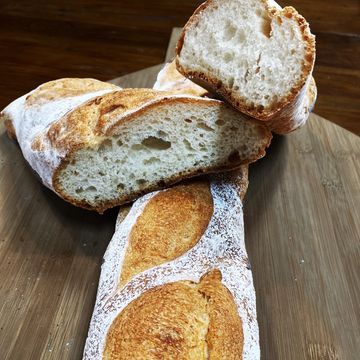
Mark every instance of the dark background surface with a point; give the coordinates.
(44, 40)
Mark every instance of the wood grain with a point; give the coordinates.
(47, 39)
(302, 218)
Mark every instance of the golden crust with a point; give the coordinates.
(283, 123)
(224, 338)
(66, 87)
(171, 223)
(312, 94)
(213, 85)
(170, 79)
(88, 124)
(180, 320)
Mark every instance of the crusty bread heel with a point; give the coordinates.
(256, 55)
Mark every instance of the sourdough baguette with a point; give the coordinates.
(175, 282)
(169, 78)
(256, 55)
(105, 147)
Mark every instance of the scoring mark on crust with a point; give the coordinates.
(162, 235)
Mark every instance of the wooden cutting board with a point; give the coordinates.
(302, 217)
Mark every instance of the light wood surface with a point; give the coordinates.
(302, 219)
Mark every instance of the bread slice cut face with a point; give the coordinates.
(253, 53)
(116, 146)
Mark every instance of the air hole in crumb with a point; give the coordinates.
(203, 126)
(101, 173)
(246, 75)
(228, 57)
(241, 36)
(141, 182)
(106, 158)
(119, 143)
(155, 143)
(188, 121)
(258, 59)
(236, 88)
(293, 52)
(261, 108)
(120, 186)
(137, 147)
(91, 188)
(151, 160)
(106, 144)
(79, 190)
(219, 122)
(229, 32)
(266, 27)
(161, 133)
(188, 145)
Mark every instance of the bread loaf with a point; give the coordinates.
(175, 282)
(98, 146)
(170, 79)
(256, 55)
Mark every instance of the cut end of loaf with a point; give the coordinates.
(176, 139)
(256, 56)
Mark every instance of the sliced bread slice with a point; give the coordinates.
(253, 53)
(283, 123)
(119, 144)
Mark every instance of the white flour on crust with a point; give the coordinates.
(222, 246)
(32, 120)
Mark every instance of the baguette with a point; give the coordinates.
(175, 282)
(99, 146)
(256, 55)
(170, 79)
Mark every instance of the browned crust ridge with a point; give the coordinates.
(179, 320)
(86, 126)
(171, 223)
